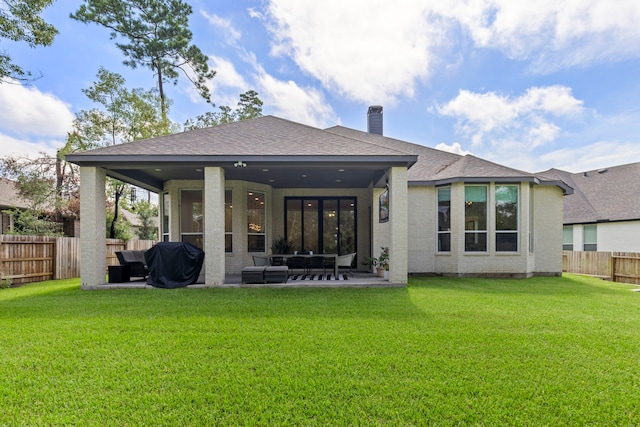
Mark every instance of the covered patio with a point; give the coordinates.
(234, 189)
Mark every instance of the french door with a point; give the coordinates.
(321, 224)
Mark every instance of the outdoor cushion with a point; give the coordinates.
(254, 274)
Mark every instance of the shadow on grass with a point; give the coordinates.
(568, 284)
(57, 299)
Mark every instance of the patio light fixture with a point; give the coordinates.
(240, 164)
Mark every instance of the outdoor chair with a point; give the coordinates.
(278, 260)
(346, 261)
(298, 263)
(136, 262)
(259, 260)
(317, 262)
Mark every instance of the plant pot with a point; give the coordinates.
(386, 275)
(380, 271)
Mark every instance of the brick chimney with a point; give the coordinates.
(374, 119)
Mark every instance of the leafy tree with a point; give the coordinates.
(249, 107)
(117, 228)
(20, 21)
(28, 222)
(50, 188)
(146, 212)
(155, 35)
(125, 116)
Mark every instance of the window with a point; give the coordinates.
(256, 222)
(506, 218)
(590, 238)
(531, 220)
(567, 238)
(444, 219)
(475, 218)
(191, 217)
(228, 221)
(166, 208)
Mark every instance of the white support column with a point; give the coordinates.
(93, 242)
(399, 225)
(214, 258)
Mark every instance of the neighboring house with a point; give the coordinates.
(603, 213)
(235, 188)
(134, 221)
(9, 199)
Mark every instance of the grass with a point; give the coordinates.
(542, 351)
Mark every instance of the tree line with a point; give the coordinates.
(152, 34)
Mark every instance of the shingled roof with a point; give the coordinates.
(280, 146)
(441, 167)
(267, 136)
(9, 196)
(600, 195)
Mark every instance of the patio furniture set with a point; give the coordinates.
(278, 268)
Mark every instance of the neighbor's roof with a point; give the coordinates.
(9, 195)
(610, 194)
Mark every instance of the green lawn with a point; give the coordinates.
(542, 351)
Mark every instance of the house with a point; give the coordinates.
(235, 188)
(9, 199)
(603, 213)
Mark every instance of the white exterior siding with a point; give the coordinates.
(546, 257)
(422, 229)
(548, 230)
(620, 236)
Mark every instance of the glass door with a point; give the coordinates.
(323, 225)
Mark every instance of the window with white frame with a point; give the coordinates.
(475, 218)
(444, 219)
(506, 202)
(228, 221)
(166, 209)
(567, 238)
(590, 242)
(191, 217)
(531, 221)
(256, 222)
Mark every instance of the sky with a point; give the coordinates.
(530, 85)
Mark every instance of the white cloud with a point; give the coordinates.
(16, 147)
(27, 111)
(368, 51)
(524, 122)
(288, 100)
(552, 34)
(225, 26)
(454, 148)
(226, 85)
(377, 52)
(598, 155)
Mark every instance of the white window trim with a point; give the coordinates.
(495, 219)
(488, 219)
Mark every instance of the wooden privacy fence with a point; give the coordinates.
(623, 267)
(25, 259)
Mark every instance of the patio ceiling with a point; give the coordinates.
(283, 172)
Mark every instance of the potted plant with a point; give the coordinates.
(383, 262)
(281, 246)
(370, 261)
